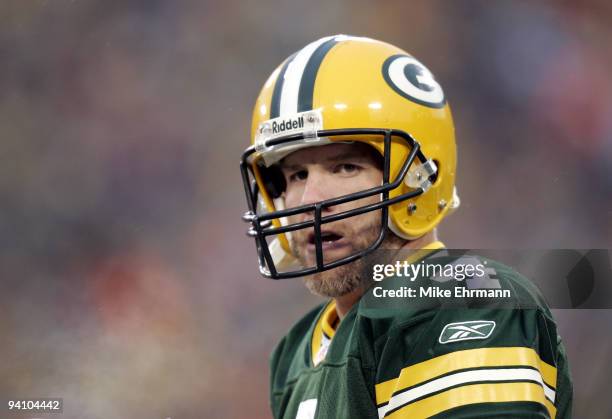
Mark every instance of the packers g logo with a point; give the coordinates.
(412, 80)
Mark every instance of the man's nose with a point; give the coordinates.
(317, 188)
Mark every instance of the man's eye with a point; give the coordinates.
(346, 168)
(298, 176)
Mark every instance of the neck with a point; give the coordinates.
(421, 242)
(345, 302)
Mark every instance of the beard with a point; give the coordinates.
(338, 281)
(353, 276)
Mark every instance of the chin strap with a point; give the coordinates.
(282, 257)
(282, 260)
(455, 200)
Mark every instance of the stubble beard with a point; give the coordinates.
(352, 276)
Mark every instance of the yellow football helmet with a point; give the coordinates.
(344, 88)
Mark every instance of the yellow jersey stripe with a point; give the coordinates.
(470, 358)
(552, 411)
(329, 320)
(317, 335)
(471, 394)
(464, 378)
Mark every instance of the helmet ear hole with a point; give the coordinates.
(273, 180)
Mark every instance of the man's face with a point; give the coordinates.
(318, 173)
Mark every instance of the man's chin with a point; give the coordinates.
(334, 282)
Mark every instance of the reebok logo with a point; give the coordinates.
(456, 332)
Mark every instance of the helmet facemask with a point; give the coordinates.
(268, 218)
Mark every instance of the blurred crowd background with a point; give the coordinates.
(128, 285)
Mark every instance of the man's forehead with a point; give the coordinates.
(328, 152)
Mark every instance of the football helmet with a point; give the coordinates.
(344, 88)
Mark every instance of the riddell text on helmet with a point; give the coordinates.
(287, 125)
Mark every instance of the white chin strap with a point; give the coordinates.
(282, 260)
(455, 201)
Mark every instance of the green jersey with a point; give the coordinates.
(480, 360)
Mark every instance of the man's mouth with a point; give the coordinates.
(329, 240)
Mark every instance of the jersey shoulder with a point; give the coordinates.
(291, 354)
(472, 356)
(524, 293)
(482, 276)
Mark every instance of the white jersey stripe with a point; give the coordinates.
(465, 378)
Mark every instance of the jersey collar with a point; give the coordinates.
(328, 320)
(324, 331)
(425, 251)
